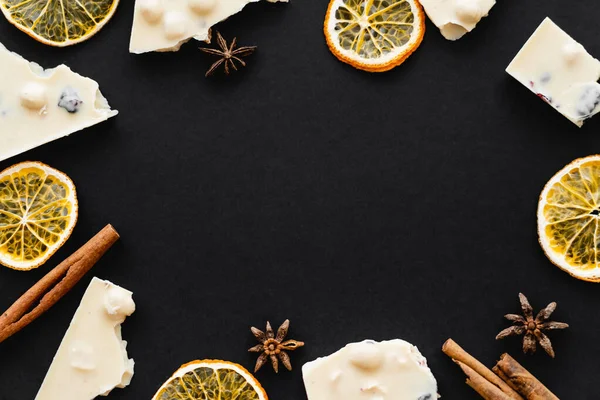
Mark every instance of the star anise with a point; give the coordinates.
(229, 55)
(531, 327)
(273, 347)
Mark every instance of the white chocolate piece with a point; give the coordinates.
(560, 71)
(389, 370)
(202, 6)
(151, 10)
(175, 25)
(201, 15)
(33, 96)
(455, 18)
(92, 358)
(38, 106)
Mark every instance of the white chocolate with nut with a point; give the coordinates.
(389, 370)
(38, 106)
(33, 96)
(92, 358)
(151, 11)
(202, 6)
(164, 25)
(455, 18)
(175, 25)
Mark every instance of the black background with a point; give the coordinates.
(398, 205)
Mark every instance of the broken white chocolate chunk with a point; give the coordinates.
(92, 358)
(560, 71)
(455, 18)
(38, 106)
(164, 25)
(389, 370)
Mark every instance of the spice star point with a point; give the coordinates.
(228, 54)
(274, 348)
(532, 328)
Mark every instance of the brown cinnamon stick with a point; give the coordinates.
(485, 388)
(499, 372)
(522, 380)
(55, 284)
(454, 351)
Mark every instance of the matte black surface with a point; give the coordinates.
(357, 205)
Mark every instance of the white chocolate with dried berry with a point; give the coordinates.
(38, 106)
(92, 358)
(455, 18)
(369, 370)
(164, 25)
(560, 71)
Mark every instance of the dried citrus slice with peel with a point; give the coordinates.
(211, 380)
(59, 22)
(38, 211)
(374, 35)
(569, 219)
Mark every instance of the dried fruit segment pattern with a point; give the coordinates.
(211, 380)
(374, 35)
(38, 211)
(59, 23)
(568, 218)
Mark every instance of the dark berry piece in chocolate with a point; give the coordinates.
(589, 100)
(70, 100)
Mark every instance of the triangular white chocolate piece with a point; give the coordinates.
(91, 359)
(164, 25)
(38, 106)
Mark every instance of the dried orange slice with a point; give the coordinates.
(38, 211)
(211, 380)
(59, 23)
(374, 35)
(569, 219)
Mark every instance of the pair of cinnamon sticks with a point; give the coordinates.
(508, 380)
